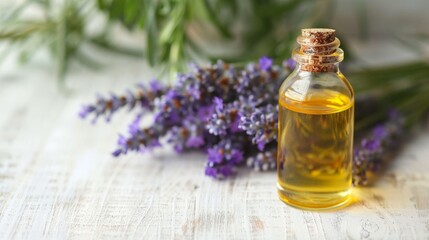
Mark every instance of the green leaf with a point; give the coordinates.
(168, 30)
(116, 9)
(213, 17)
(101, 4)
(103, 43)
(132, 11)
(176, 49)
(151, 33)
(176, 23)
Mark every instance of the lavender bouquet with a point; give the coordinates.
(231, 114)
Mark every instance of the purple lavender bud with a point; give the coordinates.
(211, 172)
(234, 124)
(265, 63)
(85, 110)
(263, 161)
(290, 64)
(205, 112)
(225, 119)
(172, 95)
(236, 156)
(261, 125)
(122, 141)
(116, 153)
(226, 170)
(261, 142)
(219, 171)
(243, 83)
(224, 157)
(134, 127)
(370, 144)
(195, 142)
(376, 148)
(214, 155)
(217, 125)
(141, 140)
(379, 132)
(218, 104)
(156, 86)
(189, 135)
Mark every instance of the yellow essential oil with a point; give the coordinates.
(315, 137)
(315, 150)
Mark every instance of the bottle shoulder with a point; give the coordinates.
(303, 83)
(319, 91)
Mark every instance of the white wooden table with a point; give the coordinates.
(58, 179)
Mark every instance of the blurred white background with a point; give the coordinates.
(384, 17)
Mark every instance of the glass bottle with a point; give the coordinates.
(316, 115)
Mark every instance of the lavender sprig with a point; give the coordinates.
(144, 98)
(377, 147)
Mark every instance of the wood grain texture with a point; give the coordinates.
(57, 179)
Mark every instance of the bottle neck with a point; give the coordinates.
(332, 67)
(317, 62)
(318, 51)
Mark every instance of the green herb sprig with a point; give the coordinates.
(173, 29)
(59, 28)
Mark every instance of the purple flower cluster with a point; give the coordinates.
(229, 113)
(261, 124)
(224, 156)
(377, 148)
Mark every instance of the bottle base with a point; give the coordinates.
(315, 200)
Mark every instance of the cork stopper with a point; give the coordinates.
(319, 35)
(319, 50)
